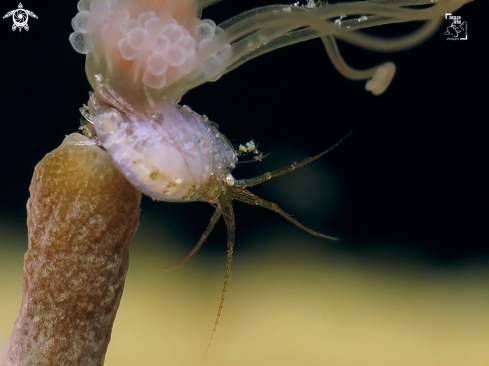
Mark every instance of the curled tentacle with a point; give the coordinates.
(164, 47)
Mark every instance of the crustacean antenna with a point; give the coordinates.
(236, 190)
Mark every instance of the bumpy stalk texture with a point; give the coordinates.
(81, 216)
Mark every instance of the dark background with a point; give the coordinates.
(412, 178)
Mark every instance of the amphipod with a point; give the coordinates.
(142, 56)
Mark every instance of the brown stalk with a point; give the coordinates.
(81, 215)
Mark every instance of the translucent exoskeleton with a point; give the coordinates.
(142, 56)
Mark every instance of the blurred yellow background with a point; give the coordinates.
(291, 301)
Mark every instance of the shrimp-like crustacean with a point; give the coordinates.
(142, 56)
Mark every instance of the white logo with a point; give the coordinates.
(20, 17)
(457, 31)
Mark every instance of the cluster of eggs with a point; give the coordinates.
(172, 45)
(168, 152)
(159, 46)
